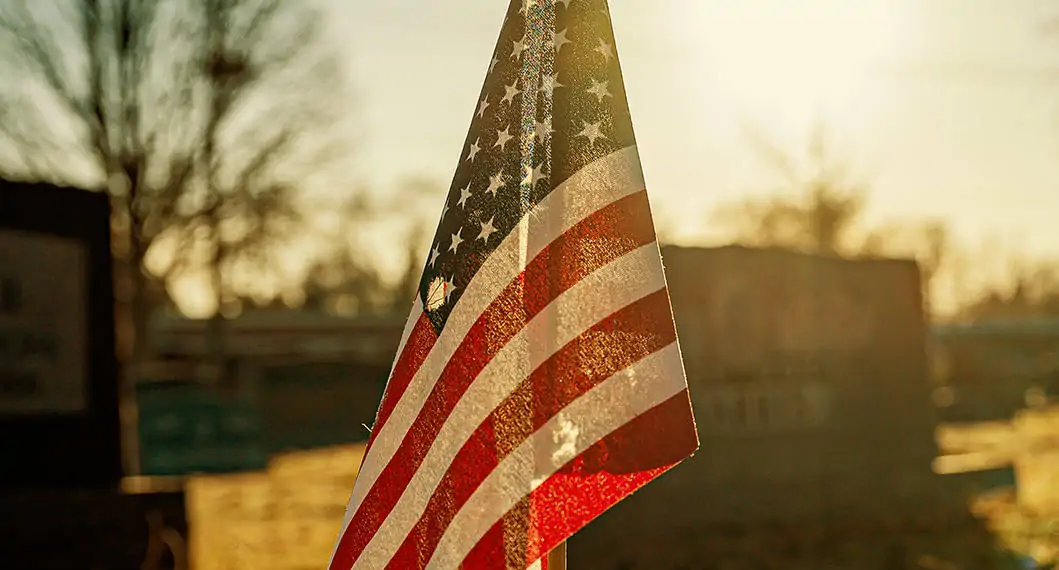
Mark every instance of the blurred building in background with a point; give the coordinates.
(809, 379)
(292, 380)
(991, 369)
(270, 336)
(59, 409)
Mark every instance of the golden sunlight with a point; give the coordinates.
(795, 57)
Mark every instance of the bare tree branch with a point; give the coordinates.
(815, 211)
(40, 53)
(162, 110)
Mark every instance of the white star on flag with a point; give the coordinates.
(465, 193)
(502, 138)
(456, 241)
(533, 175)
(496, 182)
(487, 230)
(592, 131)
(549, 83)
(599, 89)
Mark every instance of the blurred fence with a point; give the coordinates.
(188, 423)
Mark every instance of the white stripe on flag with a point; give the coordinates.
(591, 300)
(413, 318)
(602, 410)
(598, 184)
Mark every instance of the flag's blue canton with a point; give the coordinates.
(580, 115)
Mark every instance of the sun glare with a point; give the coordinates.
(795, 55)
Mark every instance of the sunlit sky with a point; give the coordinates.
(947, 108)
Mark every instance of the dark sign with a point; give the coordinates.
(58, 377)
(42, 324)
(95, 529)
(186, 427)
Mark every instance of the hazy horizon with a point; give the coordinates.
(944, 109)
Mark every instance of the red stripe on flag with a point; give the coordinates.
(608, 234)
(489, 552)
(604, 474)
(619, 341)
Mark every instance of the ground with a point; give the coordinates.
(287, 518)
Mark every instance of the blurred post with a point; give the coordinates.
(226, 69)
(218, 73)
(557, 557)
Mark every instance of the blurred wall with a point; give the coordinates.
(808, 376)
(991, 365)
(315, 379)
(1037, 466)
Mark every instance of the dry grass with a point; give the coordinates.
(287, 518)
(284, 519)
(1026, 521)
(967, 438)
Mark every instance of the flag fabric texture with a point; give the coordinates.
(538, 381)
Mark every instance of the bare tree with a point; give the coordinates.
(1032, 290)
(408, 283)
(410, 194)
(342, 279)
(818, 209)
(199, 118)
(814, 210)
(931, 245)
(346, 278)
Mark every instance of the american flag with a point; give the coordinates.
(538, 381)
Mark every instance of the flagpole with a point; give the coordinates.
(557, 557)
